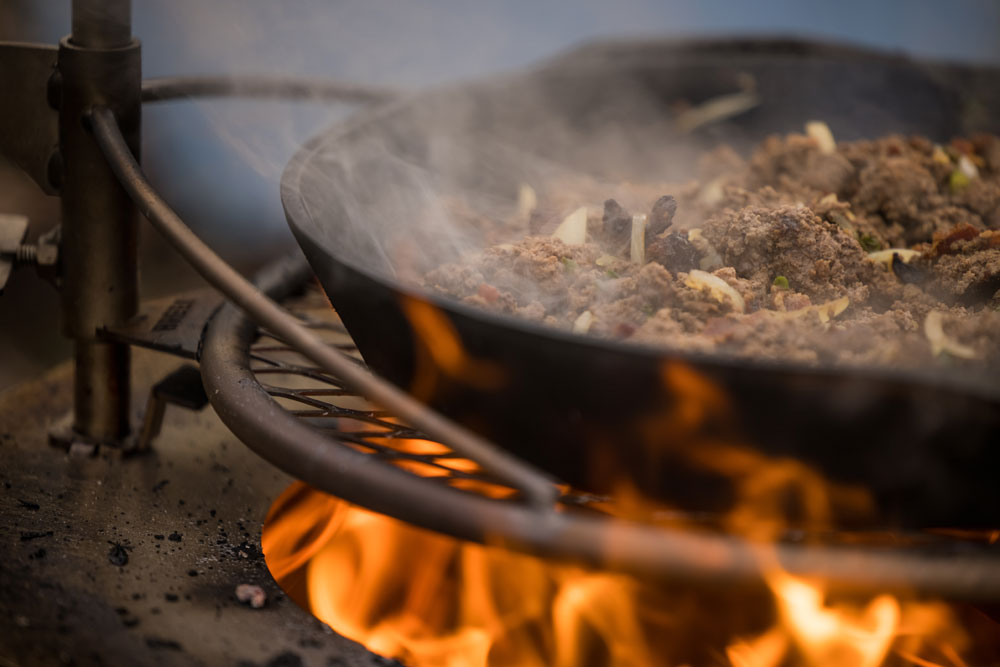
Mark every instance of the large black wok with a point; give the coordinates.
(362, 197)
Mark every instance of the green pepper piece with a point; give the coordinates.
(958, 181)
(869, 242)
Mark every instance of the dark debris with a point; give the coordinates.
(27, 535)
(906, 272)
(674, 252)
(617, 222)
(661, 217)
(166, 644)
(286, 659)
(118, 554)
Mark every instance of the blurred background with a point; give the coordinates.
(218, 162)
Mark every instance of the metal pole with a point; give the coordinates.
(99, 65)
(102, 24)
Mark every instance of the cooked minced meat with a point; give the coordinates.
(795, 254)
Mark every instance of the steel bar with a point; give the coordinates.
(99, 64)
(264, 87)
(627, 546)
(536, 487)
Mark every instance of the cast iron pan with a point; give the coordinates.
(598, 414)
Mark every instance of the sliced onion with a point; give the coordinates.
(637, 251)
(527, 201)
(939, 155)
(720, 290)
(583, 322)
(884, 257)
(968, 167)
(820, 132)
(830, 309)
(605, 260)
(824, 311)
(716, 109)
(940, 341)
(573, 229)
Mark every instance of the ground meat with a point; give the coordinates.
(970, 272)
(899, 191)
(795, 165)
(787, 243)
(982, 198)
(817, 258)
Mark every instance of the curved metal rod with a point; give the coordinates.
(265, 87)
(538, 489)
(627, 546)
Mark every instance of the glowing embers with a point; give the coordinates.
(429, 600)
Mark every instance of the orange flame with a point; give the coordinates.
(439, 351)
(429, 600)
(851, 634)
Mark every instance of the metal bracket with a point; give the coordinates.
(183, 387)
(173, 324)
(29, 122)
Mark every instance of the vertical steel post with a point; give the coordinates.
(99, 64)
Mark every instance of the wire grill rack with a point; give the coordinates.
(347, 419)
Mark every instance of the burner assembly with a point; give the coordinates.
(419, 462)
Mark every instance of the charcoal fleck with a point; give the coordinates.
(163, 644)
(118, 554)
(27, 535)
(286, 659)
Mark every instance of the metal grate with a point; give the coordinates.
(347, 419)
